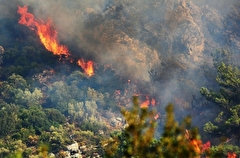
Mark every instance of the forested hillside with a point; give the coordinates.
(119, 78)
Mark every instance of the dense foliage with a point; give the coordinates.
(227, 99)
(226, 124)
(137, 139)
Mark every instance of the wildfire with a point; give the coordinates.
(231, 155)
(87, 66)
(196, 144)
(145, 103)
(46, 33)
(48, 37)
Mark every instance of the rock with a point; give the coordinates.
(119, 119)
(116, 122)
(100, 132)
(1, 50)
(51, 155)
(73, 151)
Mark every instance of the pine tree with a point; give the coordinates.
(137, 139)
(227, 99)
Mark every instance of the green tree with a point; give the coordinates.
(137, 139)
(176, 140)
(86, 115)
(227, 99)
(16, 90)
(11, 85)
(77, 77)
(35, 118)
(28, 98)
(58, 138)
(9, 119)
(60, 96)
(55, 116)
(94, 95)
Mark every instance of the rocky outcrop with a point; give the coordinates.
(73, 151)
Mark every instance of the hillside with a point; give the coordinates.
(159, 50)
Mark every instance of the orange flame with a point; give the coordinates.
(145, 103)
(196, 144)
(231, 155)
(47, 35)
(87, 66)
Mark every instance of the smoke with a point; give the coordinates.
(128, 35)
(164, 43)
(221, 5)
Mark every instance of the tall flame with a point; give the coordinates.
(48, 37)
(87, 66)
(46, 33)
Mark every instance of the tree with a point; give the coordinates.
(35, 118)
(176, 140)
(9, 120)
(9, 87)
(58, 138)
(28, 98)
(60, 96)
(137, 139)
(55, 116)
(16, 90)
(227, 123)
(86, 115)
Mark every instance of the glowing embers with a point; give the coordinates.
(48, 37)
(147, 102)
